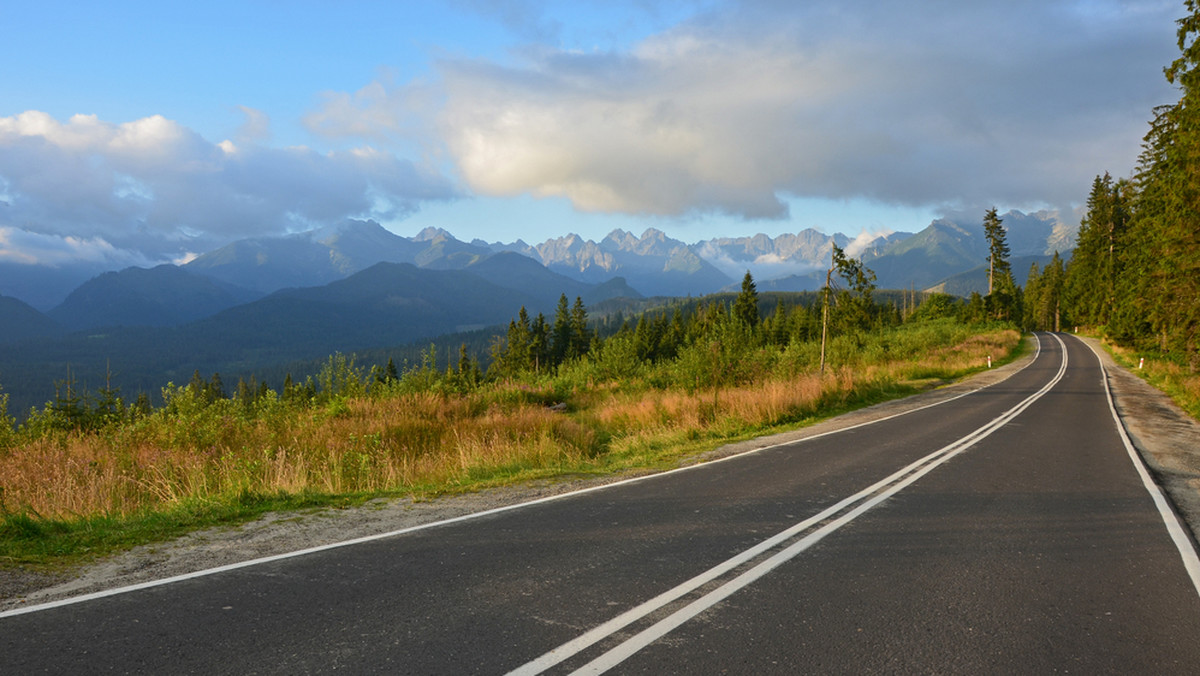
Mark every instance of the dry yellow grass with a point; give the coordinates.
(377, 445)
(1182, 385)
(424, 441)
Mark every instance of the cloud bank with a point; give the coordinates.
(154, 187)
(735, 111)
(923, 103)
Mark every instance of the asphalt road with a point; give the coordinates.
(1004, 531)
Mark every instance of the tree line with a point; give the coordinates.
(1135, 271)
(705, 331)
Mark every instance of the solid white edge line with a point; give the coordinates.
(149, 584)
(628, 648)
(1191, 561)
(917, 468)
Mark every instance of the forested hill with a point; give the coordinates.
(19, 322)
(388, 304)
(165, 295)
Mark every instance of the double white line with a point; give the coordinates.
(857, 504)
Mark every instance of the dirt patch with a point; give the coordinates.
(1153, 421)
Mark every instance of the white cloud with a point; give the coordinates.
(31, 248)
(762, 267)
(379, 111)
(256, 127)
(927, 104)
(186, 258)
(862, 241)
(152, 185)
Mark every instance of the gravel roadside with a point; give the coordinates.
(1165, 436)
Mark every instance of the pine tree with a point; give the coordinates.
(68, 410)
(109, 406)
(581, 335)
(215, 389)
(1095, 268)
(976, 308)
(539, 344)
(1033, 289)
(512, 354)
(993, 230)
(1052, 292)
(745, 307)
(197, 387)
(561, 342)
(1003, 297)
(1044, 293)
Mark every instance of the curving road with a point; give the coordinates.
(1007, 530)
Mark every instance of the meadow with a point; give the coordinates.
(70, 492)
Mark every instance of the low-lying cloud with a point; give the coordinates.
(155, 187)
(31, 248)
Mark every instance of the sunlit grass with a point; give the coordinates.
(1182, 385)
(71, 493)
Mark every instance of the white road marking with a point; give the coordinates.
(868, 497)
(1191, 561)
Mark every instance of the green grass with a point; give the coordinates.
(1168, 375)
(29, 539)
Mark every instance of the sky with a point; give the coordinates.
(141, 132)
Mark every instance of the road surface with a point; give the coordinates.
(1007, 530)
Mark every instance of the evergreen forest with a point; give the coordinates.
(1134, 275)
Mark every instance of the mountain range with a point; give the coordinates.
(357, 285)
(653, 264)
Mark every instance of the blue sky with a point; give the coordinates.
(139, 132)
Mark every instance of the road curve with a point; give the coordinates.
(1006, 530)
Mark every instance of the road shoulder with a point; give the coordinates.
(1163, 434)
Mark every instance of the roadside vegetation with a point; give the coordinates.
(1170, 375)
(89, 474)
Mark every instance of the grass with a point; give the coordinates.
(1165, 374)
(70, 496)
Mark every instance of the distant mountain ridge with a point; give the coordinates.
(321, 256)
(162, 296)
(652, 264)
(658, 265)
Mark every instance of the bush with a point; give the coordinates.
(7, 423)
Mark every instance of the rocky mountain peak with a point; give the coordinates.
(431, 233)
